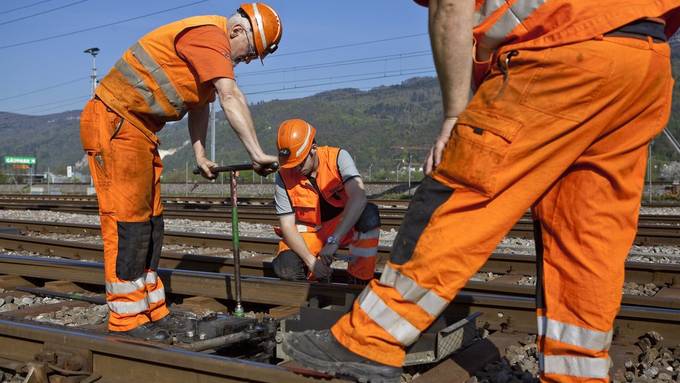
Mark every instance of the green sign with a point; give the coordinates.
(20, 160)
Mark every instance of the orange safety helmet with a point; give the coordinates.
(266, 24)
(295, 139)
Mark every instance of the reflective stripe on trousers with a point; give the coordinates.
(571, 334)
(401, 329)
(577, 366)
(155, 295)
(365, 244)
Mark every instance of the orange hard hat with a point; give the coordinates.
(294, 141)
(266, 24)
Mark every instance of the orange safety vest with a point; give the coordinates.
(151, 85)
(503, 25)
(303, 195)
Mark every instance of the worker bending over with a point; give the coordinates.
(569, 93)
(321, 204)
(174, 70)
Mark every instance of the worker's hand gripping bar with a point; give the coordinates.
(238, 167)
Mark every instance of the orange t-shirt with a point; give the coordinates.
(207, 51)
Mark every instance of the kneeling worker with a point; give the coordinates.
(321, 204)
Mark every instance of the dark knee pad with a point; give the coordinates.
(289, 266)
(134, 239)
(369, 219)
(154, 256)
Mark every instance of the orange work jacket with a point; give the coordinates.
(503, 25)
(151, 85)
(303, 195)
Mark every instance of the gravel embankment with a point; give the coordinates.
(510, 245)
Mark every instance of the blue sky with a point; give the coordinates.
(55, 71)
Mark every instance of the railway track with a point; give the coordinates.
(264, 248)
(652, 229)
(504, 306)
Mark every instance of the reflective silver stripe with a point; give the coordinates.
(511, 18)
(157, 295)
(596, 368)
(306, 228)
(129, 307)
(371, 234)
(260, 26)
(125, 287)
(160, 77)
(151, 278)
(428, 300)
(402, 330)
(574, 335)
(305, 142)
(136, 82)
(363, 251)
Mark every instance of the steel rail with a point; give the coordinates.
(639, 272)
(652, 229)
(119, 360)
(503, 310)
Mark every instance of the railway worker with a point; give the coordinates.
(173, 70)
(321, 204)
(568, 96)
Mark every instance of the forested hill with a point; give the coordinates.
(379, 127)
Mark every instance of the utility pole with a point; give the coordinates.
(93, 51)
(649, 171)
(213, 106)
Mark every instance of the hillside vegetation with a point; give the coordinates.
(380, 128)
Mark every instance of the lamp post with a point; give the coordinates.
(93, 51)
(369, 172)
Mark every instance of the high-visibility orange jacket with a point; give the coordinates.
(515, 24)
(303, 195)
(151, 85)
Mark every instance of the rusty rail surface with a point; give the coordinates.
(120, 360)
(639, 272)
(506, 307)
(652, 229)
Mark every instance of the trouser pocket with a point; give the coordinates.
(474, 154)
(91, 120)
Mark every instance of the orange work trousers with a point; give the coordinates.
(126, 169)
(363, 247)
(564, 131)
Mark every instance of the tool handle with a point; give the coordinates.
(234, 168)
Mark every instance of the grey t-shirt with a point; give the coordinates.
(348, 170)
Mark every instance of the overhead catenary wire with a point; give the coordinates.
(330, 64)
(293, 88)
(349, 45)
(66, 101)
(383, 72)
(341, 82)
(24, 6)
(100, 26)
(44, 88)
(42, 12)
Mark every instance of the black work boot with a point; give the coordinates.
(173, 323)
(148, 331)
(320, 351)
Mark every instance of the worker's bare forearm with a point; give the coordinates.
(354, 207)
(238, 114)
(198, 128)
(450, 24)
(294, 240)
